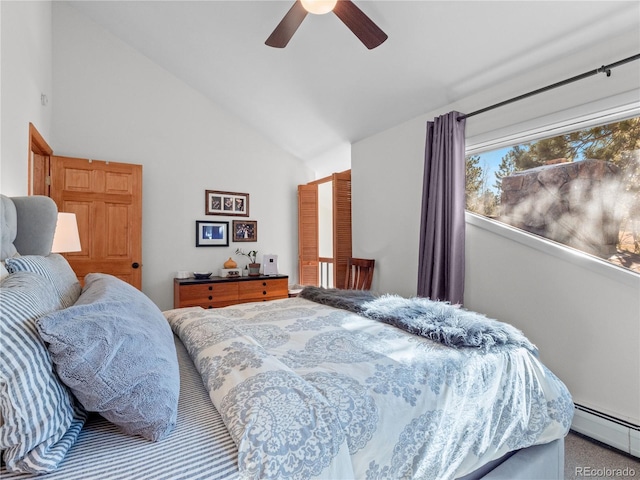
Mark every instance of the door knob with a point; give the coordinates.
(135, 265)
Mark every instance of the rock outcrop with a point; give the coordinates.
(570, 202)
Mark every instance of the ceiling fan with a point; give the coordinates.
(354, 18)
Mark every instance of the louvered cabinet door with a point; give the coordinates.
(341, 226)
(308, 236)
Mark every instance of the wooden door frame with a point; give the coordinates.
(38, 146)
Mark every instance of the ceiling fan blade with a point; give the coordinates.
(287, 26)
(361, 25)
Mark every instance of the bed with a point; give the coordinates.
(331, 384)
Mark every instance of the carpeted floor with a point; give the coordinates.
(584, 458)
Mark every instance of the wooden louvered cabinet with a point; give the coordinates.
(309, 233)
(216, 292)
(341, 226)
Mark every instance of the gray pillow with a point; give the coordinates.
(40, 418)
(114, 349)
(54, 267)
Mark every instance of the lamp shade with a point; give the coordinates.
(66, 237)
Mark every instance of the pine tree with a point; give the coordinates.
(473, 179)
(506, 168)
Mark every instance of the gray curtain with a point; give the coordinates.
(441, 254)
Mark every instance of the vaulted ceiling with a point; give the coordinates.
(325, 88)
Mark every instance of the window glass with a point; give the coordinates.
(581, 189)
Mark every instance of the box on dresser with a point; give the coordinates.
(215, 292)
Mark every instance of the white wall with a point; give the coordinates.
(112, 103)
(337, 159)
(587, 325)
(325, 219)
(584, 315)
(386, 191)
(25, 75)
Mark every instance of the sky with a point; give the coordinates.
(490, 163)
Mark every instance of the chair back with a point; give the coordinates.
(359, 273)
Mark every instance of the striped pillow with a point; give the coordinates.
(54, 267)
(40, 418)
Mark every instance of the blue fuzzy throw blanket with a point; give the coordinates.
(438, 321)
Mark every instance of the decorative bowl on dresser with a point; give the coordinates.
(201, 275)
(215, 292)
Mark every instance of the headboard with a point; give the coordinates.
(27, 225)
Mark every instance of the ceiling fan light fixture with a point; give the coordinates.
(355, 19)
(319, 7)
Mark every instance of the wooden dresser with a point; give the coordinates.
(217, 292)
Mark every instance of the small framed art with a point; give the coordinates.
(245, 231)
(212, 234)
(226, 203)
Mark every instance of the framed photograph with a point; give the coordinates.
(212, 234)
(245, 231)
(226, 203)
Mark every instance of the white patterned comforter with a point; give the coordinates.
(310, 391)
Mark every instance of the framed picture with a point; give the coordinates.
(245, 231)
(212, 234)
(226, 203)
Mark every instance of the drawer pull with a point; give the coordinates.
(210, 288)
(210, 306)
(210, 297)
(264, 293)
(264, 284)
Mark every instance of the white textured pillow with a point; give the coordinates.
(54, 267)
(4, 273)
(40, 418)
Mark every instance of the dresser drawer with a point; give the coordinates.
(258, 290)
(208, 295)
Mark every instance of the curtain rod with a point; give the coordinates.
(603, 69)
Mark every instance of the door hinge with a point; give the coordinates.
(47, 180)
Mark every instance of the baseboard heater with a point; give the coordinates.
(620, 434)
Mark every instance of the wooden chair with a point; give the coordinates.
(359, 273)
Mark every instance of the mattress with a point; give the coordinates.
(199, 448)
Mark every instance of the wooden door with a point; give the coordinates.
(308, 236)
(107, 200)
(341, 226)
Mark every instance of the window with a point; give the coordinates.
(580, 189)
